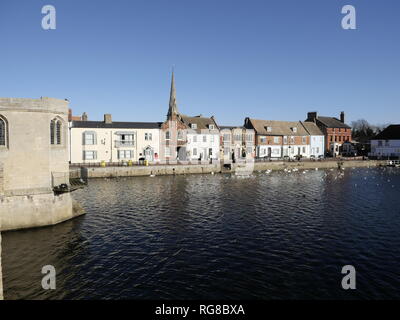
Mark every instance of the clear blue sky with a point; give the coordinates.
(264, 59)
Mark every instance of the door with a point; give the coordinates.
(149, 154)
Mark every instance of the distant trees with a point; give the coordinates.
(363, 131)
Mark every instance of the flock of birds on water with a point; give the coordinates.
(332, 174)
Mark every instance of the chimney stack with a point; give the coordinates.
(69, 115)
(107, 118)
(84, 116)
(342, 117)
(312, 116)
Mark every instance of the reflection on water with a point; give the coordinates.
(267, 236)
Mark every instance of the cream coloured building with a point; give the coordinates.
(33, 162)
(112, 142)
(237, 143)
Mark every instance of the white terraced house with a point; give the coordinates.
(317, 139)
(387, 143)
(111, 142)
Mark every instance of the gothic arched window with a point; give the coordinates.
(56, 131)
(52, 130)
(3, 131)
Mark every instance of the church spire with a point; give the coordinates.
(173, 109)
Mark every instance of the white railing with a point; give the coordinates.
(124, 143)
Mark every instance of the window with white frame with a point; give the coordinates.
(167, 135)
(195, 151)
(89, 138)
(194, 138)
(263, 139)
(125, 154)
(269, 129)
(292, 140)
(167, 152)
(211, 127)
(180, 135)
(205, 138)
(276, 139)
(193, 126)
(89, 155)
(285, 139)
(227, 137)
(294, 129)
(263, 151)
(148, 136)
(304, 140)
(212, 138)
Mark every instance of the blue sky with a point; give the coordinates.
(264, 59)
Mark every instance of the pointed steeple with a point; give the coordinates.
(173, 109)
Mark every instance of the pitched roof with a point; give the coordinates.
(392, 132)
(201, 122)
(278, 128)
(312, 128)
(116, 125)
(332, 122)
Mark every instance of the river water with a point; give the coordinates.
(267, 236)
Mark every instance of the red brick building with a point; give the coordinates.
(335, 130)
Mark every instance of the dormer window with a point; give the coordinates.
(211, 127)
(294, 129)
(269, 129)
(193, 126)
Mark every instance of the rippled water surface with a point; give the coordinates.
(268, 236)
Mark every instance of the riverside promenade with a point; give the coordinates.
(216, 167)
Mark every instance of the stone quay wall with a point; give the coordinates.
(30, 211)
(136, 171)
